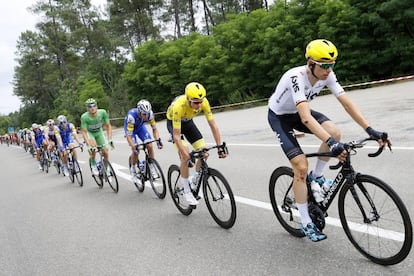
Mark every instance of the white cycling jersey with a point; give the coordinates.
(294, 87)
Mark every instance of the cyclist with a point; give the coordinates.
(289, 109)
(92, 123)
(38, 140)
(134, 125)
(180, 122)
(67, 133)
(53, 139)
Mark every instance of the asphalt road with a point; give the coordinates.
(52, 227)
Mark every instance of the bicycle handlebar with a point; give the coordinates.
(197, 154)
(144, 145)
(359, 144)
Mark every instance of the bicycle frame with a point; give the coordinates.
(347, 176)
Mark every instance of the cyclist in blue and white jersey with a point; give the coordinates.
(134, 127)
(67, 133)
(38, 140)
(289, 109)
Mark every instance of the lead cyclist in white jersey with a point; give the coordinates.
(289, 109)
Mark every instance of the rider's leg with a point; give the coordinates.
(300, 171)
(321, 162)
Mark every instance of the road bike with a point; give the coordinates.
(372, 215)
(106, 172)
(73, 166)
(56, 160)
(217, 192)
(44, 160)
(145, 173)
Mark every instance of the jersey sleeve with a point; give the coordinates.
(205, 106)
(334, 86)
(296, 85)
(84, 124)
(130, 124)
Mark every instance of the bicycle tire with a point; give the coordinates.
(217, 193)
(177, 191)
(140, 185)
(77, 172)
(283, 200)
(98, 178)
(158, 184)
(57, 164)
(392, 229)
(71, 171)
(45, 163)
(111, 179)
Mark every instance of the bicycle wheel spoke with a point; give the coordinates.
(219, 199)
(385, 234)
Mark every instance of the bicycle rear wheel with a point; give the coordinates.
(283, 200)
(76, 172)
(219, 198)
(156, 178)
(385, 234)
(177, 190)
(111, 177)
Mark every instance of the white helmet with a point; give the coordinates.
(62, 119)
(34, 125)
(144, 106)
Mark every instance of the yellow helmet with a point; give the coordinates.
(195, 91)
(321, 50)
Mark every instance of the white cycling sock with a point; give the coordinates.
(319, 167)
(186, 185)
(304, 213)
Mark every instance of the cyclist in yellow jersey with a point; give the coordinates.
(180, 123)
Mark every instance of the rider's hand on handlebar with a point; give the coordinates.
(337, 148)
(159, 144)
(221, 153)
(381, 137)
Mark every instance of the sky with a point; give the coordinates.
(15, 19)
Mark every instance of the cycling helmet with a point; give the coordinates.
(62, 119)
(321, 50)
(50, 122)
(144, 106)
(90, 101)
(34, 125)
(195, 90)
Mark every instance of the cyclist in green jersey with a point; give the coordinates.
(92, 123)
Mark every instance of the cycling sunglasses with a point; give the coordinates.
(91, 105)
(325, 65)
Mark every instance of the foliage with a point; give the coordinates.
(237, 49)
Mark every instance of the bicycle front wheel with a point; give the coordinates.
(177, 190)
(156, 178)
(98, 178)
(76, 172)
(219, 198)
(283, 200)
(110, 177)
(375, 220)
(138, 182)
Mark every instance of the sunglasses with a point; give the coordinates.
(91, 105)
(196, 102)
(62, 123)
(325, 65)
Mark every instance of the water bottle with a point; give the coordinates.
(317, 191)
(327, 186)
(99, 165)
(142, 166)
(193, 179)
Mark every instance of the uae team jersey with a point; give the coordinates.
(294, 87)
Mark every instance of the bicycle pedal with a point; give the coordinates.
(197, 197)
